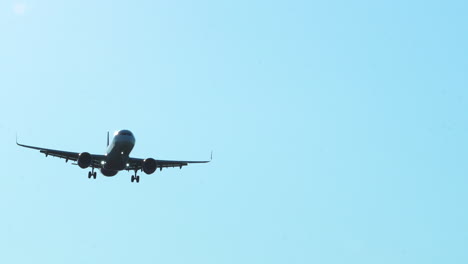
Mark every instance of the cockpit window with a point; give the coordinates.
(125, 133)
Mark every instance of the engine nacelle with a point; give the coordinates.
(149, 165)
(84, 160)
(108, 173)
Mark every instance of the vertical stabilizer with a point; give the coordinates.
(107, 138)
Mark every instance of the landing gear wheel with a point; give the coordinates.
(133, 178)
(89, 175)
(137, 179)
(94, 175)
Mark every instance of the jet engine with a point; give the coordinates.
(149, 165)
(108, 173)
(84, 160)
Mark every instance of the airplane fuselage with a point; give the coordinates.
(118, 151)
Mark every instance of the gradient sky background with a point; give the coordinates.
(339, 131)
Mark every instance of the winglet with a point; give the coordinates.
(17, 143)
(107, 138)
(211, 158)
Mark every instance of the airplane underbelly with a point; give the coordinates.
(116, 163)
(117, 157)
(108, 173)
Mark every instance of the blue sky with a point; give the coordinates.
(338, 130)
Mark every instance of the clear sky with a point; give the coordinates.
(339, 131)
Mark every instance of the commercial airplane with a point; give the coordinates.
(117, 158)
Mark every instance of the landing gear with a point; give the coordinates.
(135, 178)
(92, 174)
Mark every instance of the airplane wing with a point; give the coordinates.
(67, 155)
(137, 164)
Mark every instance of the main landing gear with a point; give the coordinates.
(135, 177)
(92, 173)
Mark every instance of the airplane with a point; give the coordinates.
(117, 158)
